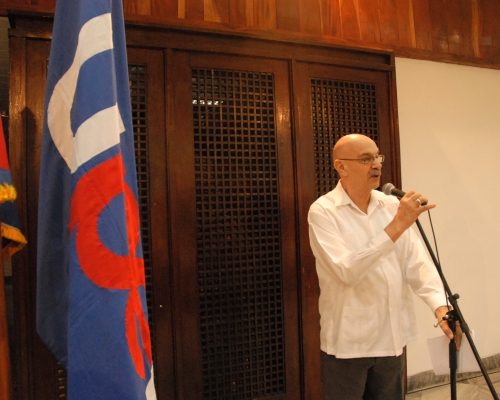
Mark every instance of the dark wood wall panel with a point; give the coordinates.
(489, 30)
(460, 31)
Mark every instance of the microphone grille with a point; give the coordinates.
(387, 188)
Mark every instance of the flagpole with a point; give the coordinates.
(4, 337)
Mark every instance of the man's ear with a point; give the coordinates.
(339, 167)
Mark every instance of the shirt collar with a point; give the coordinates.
(341, 198)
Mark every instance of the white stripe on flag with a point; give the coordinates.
(102, 130)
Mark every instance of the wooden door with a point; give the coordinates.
(331, 101)
(233, 240)
(147, 92)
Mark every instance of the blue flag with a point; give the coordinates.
(91, 307)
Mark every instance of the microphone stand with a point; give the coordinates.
(452, 317)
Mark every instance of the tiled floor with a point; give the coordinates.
(470, 389)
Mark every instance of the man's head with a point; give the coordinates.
(356, 159)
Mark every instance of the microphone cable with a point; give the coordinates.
(433, 236)
(436, 248)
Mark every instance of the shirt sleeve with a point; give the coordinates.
(421, 274)
(336, 255)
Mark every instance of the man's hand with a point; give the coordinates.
(441, 314)
(411, 205)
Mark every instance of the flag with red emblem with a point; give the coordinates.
(91, 303)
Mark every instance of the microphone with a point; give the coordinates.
(390, 189)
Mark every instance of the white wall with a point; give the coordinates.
(449, 123)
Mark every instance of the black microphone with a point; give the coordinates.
(390, 189)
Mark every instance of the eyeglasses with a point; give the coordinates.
(367, 160)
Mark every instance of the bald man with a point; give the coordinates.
(367, 259)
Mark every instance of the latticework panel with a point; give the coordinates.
(138, 96)
(238, 235)
(339, 108)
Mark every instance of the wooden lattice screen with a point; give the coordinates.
(338, 108)
(238, 235)
(138, 97)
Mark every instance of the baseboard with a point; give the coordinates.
(428, 379)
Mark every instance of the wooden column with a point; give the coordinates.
(4, 338)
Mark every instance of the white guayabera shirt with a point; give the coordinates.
(365, 303)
